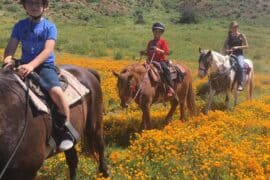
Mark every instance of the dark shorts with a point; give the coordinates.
(48, 76)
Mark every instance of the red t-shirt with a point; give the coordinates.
(161, 44)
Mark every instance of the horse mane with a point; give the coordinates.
(221, 56)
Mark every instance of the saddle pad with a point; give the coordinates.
(75, 90)
(182, 69)
(35, 100)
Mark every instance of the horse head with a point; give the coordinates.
(205, 60)
(127, 86)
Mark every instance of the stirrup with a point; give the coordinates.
(73, 132)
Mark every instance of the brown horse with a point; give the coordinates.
(16, 115)
(135, 83)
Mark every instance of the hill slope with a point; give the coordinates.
(255, 11)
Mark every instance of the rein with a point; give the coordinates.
(23, 132)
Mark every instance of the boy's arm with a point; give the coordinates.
(10, 50)
(26, 69)
(43, 56)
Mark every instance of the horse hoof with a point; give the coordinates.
(104, 171)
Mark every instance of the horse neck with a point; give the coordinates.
(219, 62)
(140, 74)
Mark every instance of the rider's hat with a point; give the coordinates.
(158, 25)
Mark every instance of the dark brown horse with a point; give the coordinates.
(15, 113)
(135, 83)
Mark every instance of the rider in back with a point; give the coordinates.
(234, 44)
(157, 49)
(38, 37)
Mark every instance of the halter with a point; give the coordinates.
(206, 64)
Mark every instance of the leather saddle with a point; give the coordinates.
(234, 63)
(156, 72)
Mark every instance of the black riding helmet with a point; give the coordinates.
(45, 5)
(45, 2)
(158, 25)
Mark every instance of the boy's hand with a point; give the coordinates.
(25, 70)
(8, 65)
(159, 50)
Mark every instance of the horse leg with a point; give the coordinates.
(209, 102)
(250, 87)
(19, 174)
(146, 122)
(145, 107)
(182, 110)
(101, 155)
(227, 98)
(174, 104)
(236, 92)
(72, 162)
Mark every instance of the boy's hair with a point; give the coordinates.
(45, 2)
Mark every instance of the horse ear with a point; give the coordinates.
(200, 50)
(209, 52)
(115, 74)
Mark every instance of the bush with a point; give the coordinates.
(139, 19)
(189, 16)
(118, 55)
(13, 8)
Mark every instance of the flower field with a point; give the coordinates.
(223, 145)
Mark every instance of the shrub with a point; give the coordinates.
(189, 16)
(118, 55)
(13, 8)
(139, 19)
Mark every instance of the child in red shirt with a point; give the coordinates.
(157, 49)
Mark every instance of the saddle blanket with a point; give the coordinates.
(74, 92)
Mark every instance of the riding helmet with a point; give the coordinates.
(45, 2)
(158, 25)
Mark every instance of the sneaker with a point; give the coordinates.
(240, 88)
(67, 142)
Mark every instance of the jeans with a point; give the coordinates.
(241, 62)
(166, 73)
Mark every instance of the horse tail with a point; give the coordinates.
(191, 100)
(93, 135)
(95, 73)
(251, 85)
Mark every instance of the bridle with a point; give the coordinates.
(206, 63)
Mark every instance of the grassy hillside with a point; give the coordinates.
(253, 11)
(121, 38)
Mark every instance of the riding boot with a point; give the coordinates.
(69, 137)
